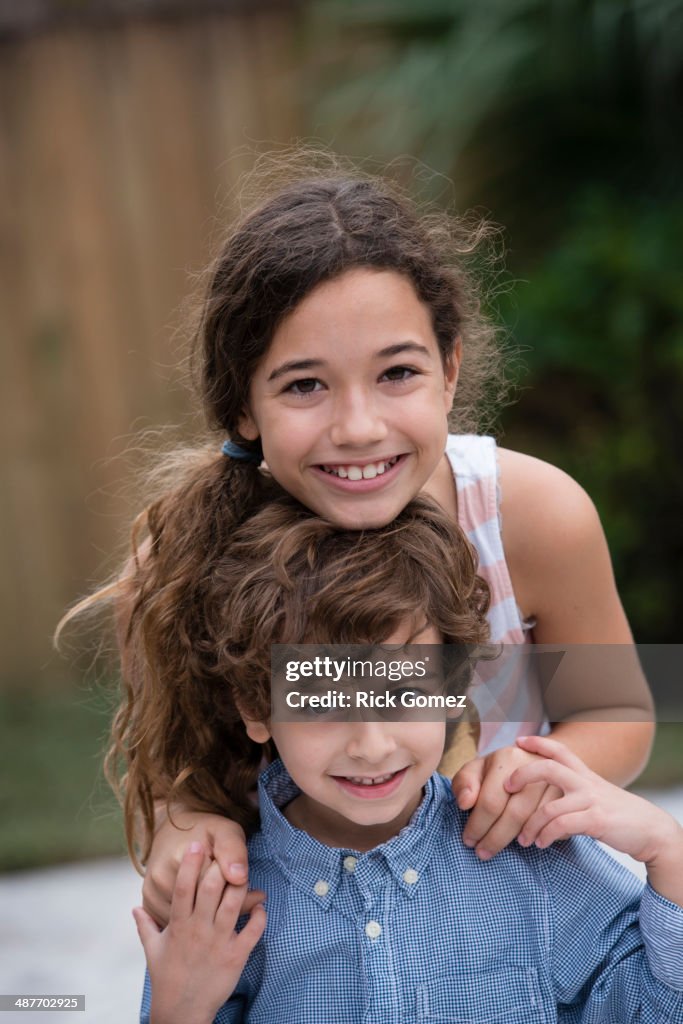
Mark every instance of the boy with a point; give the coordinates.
(375, 910)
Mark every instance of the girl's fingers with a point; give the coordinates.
(229, 848)
(148, 930)
(252, 897)
(467, 783)
(490, 805)
(185, 888)
(553, 749)
(518, 810)
(251, 933)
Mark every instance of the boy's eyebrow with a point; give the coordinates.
(297, 365)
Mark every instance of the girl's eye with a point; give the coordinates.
(306, 386)
(399, 373)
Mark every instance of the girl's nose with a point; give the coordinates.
(370, 742)
(357, 420)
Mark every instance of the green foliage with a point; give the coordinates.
(601, 324)
(519, 101)
(54, 803)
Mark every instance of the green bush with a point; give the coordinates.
(600, 322)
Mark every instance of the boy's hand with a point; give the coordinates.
(221, 838)
(589, 805)
(498, 816)
(195, 964)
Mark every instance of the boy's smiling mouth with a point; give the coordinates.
(370, 787)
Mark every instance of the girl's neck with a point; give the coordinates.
(442, 488)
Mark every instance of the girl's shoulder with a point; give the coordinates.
(543, 509)
(556, 551)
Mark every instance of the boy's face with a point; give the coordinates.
(360, 781)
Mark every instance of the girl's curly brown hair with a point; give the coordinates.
(285, 577)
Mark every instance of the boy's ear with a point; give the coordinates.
(256, 731)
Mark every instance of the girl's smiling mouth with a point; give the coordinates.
(354, 473)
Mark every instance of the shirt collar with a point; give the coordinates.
(307, 862)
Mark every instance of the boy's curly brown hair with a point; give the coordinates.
(286, 577)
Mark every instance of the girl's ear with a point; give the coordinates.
(451, 371)
(246, 425)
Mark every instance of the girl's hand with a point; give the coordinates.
(195, 964)
(498, 816)
(225, 843)
(589, 805)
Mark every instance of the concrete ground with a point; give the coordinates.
(69, 930)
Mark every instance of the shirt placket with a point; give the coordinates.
(374, 925)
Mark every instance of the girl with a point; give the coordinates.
(373, 912)
(339, 329)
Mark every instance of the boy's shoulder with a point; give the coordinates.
(277, 850)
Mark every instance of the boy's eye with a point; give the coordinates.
(399, 373)
(305, 386)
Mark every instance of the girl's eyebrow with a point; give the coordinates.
(297, 365)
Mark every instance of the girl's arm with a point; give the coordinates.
(195, 964)
(222, 838)
(562, 577)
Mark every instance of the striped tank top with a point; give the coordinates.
(512, 705)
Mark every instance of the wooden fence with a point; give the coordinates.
(117, 158)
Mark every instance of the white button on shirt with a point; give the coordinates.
(373, 929)
(410, 876)
(321, 888)
(350, 864)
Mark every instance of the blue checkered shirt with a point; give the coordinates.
(419, 929)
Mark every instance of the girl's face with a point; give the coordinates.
(351, 399)
(360, 780)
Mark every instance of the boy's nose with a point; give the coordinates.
(370, 742)
(357, 421)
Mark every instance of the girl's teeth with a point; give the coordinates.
(368, 472)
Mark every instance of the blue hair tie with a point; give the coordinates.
(240, 454)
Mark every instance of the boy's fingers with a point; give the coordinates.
(210, 893)
(185, 889)
(545, 770)
(547, 747)
(562, 827)
(467, 782)
(545, 813)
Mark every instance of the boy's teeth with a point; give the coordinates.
(368, 472)
(363, 780)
